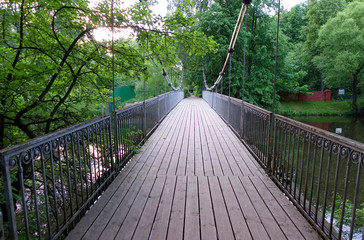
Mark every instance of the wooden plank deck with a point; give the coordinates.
(193, 179)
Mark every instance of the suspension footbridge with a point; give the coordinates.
(193, 179)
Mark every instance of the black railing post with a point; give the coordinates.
(242, 109)
(144, 129)
(270, 163)
(114, 152)
(10, 211)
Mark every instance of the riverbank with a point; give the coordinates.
(326, 108)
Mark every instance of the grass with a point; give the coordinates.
(315, 108)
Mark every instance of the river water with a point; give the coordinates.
(349, 127)
(352, 128)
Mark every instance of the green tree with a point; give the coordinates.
(293, 21)
(342, 42)
(318, 13)
(53, 69)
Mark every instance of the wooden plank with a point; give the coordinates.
(176, 222)
(192, 212)
(208, 225)
(190, 158)
(212, 123)
(288, 227)
(182, 156)
(240, 152)
(205, 152)
(148, 200)
(168, 144)
(160, 226)
(248, 161)
(223, 224)
(140, 169)
(213, 155)
(253, 221)
(238, 222)
(299, 221)
(144, 209)
(92, 215)
(118, 217)
(273, 229)
(170, 162)
(199, 167)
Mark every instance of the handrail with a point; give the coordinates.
(51, 181)
(319, 171)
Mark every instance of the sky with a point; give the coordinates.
(161, 8)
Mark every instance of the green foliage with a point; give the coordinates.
(54, 71)
(359, 220)
(318, 13)
(293, 21)
(313, 108)
(342, 42)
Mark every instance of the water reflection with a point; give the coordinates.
(351, 127)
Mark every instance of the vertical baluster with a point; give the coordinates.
(9, 200)
(308, 139)
(355, 203)
(42, 151)
(85, 159)
(315, 141)
(319, 181)
(303, 135)
(93, 157)
(99, 153)
(22, 190)
(70, 193)
(55, 209)
(297, 163)
(61, 178)
(288, 157)
(105, 163)
(294, 161)
(275, 149)
(74, 169)
(343, 151)
(283, 156)
(328, 169)
(280, 160)
(88, 161)
(80, 157)
(293, 147)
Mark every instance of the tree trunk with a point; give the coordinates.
(354, 94)
(322, 83)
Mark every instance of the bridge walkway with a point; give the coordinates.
(193, 179)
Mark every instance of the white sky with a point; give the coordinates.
(288, 4)
(161, 8)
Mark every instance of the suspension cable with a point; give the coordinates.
(243, 85)
(168, 81)
(231, 48)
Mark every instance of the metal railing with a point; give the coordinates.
(50, 182)
(319, 171)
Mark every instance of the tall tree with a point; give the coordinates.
(318, 13)
(342, 42)
(293, 21)
(53, 69)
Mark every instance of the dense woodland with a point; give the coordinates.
(54, 73)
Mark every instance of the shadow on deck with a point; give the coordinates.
(193, 179)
